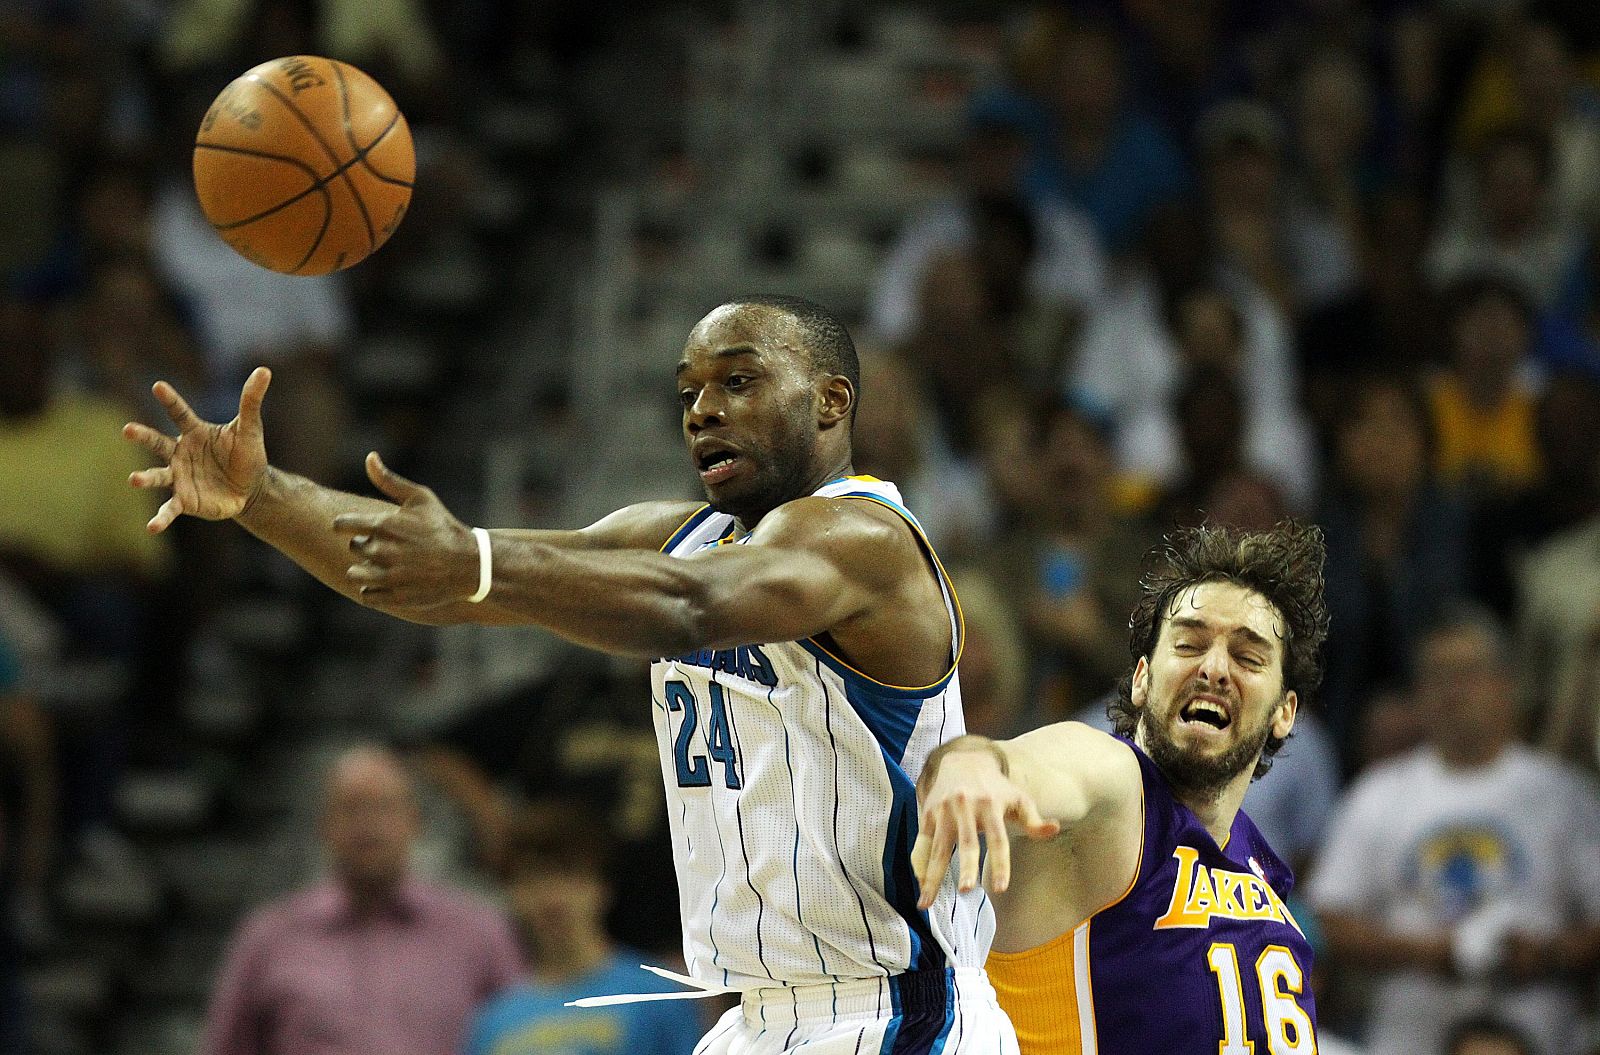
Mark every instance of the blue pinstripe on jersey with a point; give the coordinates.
(827, 702)
(738, 816)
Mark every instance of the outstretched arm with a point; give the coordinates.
(810, 566)
(1044, 781)
(217, 472)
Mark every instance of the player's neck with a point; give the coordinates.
(1217, 808)
(834, 469)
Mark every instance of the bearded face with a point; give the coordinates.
(1211, 691)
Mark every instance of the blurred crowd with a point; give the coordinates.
(1226, 261)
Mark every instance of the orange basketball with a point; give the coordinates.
(304, 165)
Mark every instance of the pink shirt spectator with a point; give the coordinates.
(305, 977)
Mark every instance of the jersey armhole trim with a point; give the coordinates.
(948, 587)
(690, 522)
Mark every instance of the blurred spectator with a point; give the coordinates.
(27, 832)
(1098, 152)
(1155, 330)
(1395, 550)
(392, 39)
(1390, 727)
(1042, 290)
(106, 217)
(1209, 414)
(1244, 501)
(1507, 528)
(581, 730)
(1393, 316)
(1183, 58)
(963, 347)
(1484, 405)
(1559, 644)
(1072, 568)
(128, 332)
(1241, 146)
(74, 540)
(1292, 803)
(559, 872)
(372, 959)
(1486, 1035)
(82, 529)
(897, 438)
(1328, 196)
(994, 658)
(1467, 873)
(1535, 79)
(1413, 110)
(1510, 225)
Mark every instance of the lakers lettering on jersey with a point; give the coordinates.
(790, 782)
(1200, 954)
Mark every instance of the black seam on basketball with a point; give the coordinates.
(320, 184)
(316, 184)
(363, 151)
(344, 114)
(326, 148)
(327, 218)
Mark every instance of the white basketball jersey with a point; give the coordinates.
(790, 783)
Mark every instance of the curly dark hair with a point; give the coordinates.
(1283, 565)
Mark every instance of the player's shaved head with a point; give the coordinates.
(822, 336)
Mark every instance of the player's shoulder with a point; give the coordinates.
(835, 518)
(1080, 739)
(643, 525)
(866, 540)
(1108, 765)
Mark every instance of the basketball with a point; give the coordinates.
(304, 165)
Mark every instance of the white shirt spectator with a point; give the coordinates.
(1541, 263)
(1559, 599)
(1129, 363)
(1417, 846)
(1068, 265)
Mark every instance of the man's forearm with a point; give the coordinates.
(295, 516)
(625, 601)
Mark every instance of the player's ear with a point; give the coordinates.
(835, 398)
(1141, 683)
(1283, 721)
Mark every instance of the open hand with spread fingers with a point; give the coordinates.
(213, 471)
(413, 555)
(966, 795)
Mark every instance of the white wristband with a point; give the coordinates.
(485, 566)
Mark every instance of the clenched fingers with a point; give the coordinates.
(360, 524)
(367, 574)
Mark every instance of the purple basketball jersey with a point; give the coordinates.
(1201, 955)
